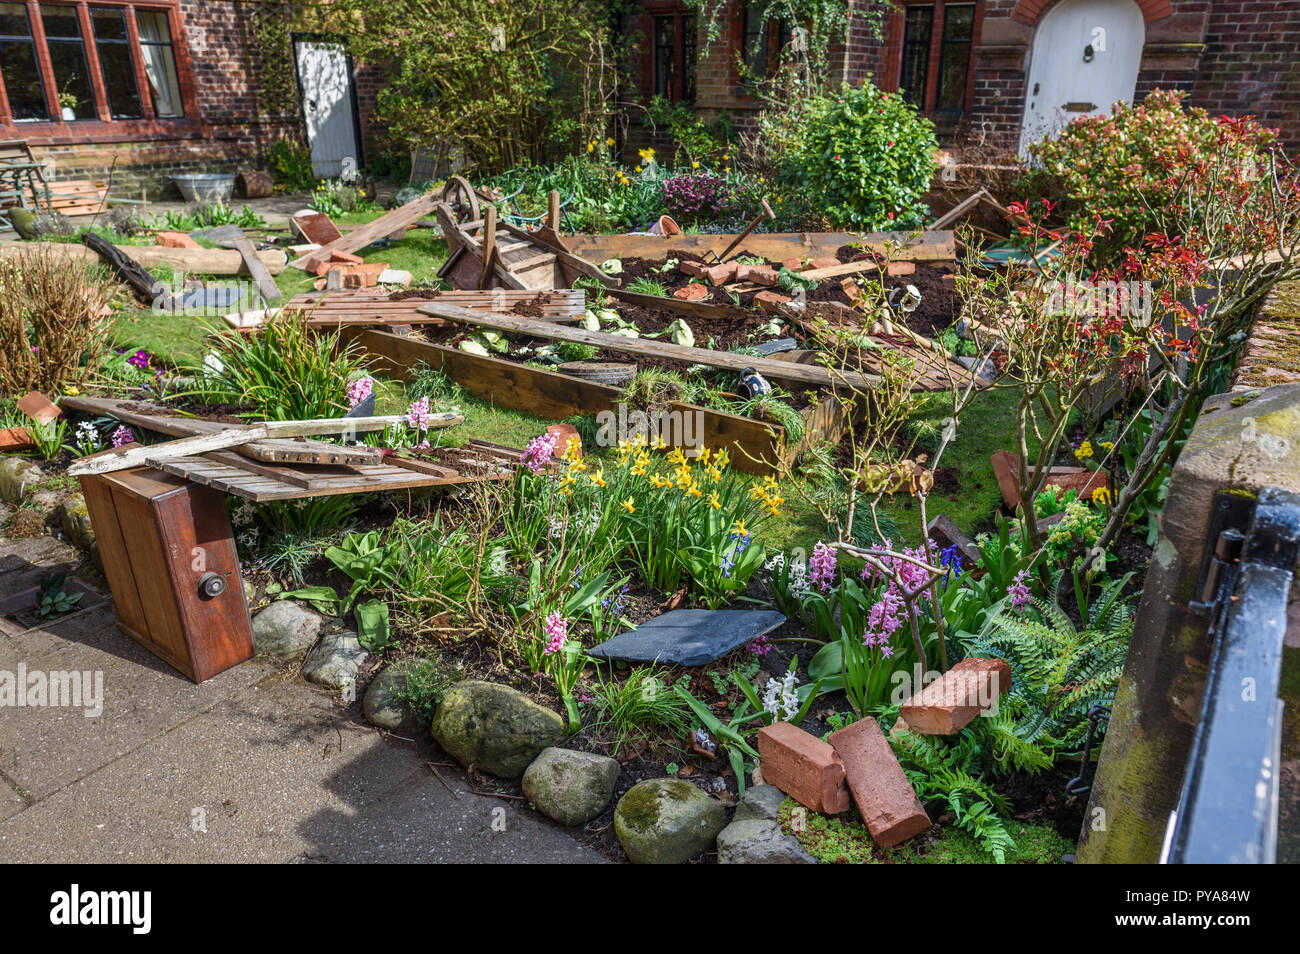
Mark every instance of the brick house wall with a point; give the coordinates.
(1232, 57)
(229, 121)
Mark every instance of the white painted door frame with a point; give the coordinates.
(1085, 58)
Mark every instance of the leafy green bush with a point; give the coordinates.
(864, 158)
(1126, 167)
(291, 165)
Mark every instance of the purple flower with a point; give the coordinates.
(123, 435)
(538, 451)
(418, 415)
(821, 566)
(1018, 591)
(759, 646)
(139, 360)
(359, 390)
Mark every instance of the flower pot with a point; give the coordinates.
(68, 113)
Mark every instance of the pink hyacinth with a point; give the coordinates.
(418, 415)
(538, 451)
(557, 631)
(359, 390)
(821, 566)
(123, 435)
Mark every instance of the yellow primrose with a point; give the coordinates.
(1084, 451)
(591, 147)
(1106, 445)
(629, 505)
(1101, 496)
(609, 141)
(695, 165)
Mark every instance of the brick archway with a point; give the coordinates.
(1031, 11)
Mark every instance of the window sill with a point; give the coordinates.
(50, 132)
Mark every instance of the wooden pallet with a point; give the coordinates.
(78, 197)
(231, 474)
(375, 306)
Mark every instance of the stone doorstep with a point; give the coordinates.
(885, 798)
(952, 702)
(803, 766)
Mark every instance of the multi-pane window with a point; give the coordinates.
(18, 66)
(114, 49)
(68, 59)
(763, 40)
(935, 59)
(88, 54)
(674, 57)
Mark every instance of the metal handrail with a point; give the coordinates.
(1228, 808)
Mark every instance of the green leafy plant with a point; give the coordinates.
(422, 682)
(637, 707)
(52, 599)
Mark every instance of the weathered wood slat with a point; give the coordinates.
(818, 376)
(933, 246)
(381, 227)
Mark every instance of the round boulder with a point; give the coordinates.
(758, 841)
(570, 787)
(383, 704)
(285, 629)
(665, 821)
(334, 661)
(494, 727)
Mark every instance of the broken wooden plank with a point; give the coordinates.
(147, 289)
(658, 349)
(155, 418)
(265, 283)
(755, 446)
(381, 227)
(936, 246)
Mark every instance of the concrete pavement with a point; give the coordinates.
(252, 766)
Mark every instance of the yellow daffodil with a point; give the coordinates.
(676, 456)
(714, 502)
(1084, 451)
(609, 141)
(756, 491)
(773, 509)
(740, 530)
(629, 505)
(694, 490)
(591, 147)
(695, 165)
(638, 168)
(638, 470)
(659, 442)
(598, 478)
(703, 455)
(722, 460)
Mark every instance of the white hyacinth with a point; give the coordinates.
(780, 698)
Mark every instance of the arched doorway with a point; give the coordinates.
(1085, 58)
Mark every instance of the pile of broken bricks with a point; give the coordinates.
(339, 269)
(858, 762)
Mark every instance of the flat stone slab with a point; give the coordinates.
(688, 637)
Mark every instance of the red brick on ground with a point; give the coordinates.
(759, 274)
(826, 261)
(14, 439)
(335, 259)
(176, 240)
(900, 268)
(952, 702)
(885, 798)
(770, 301)
(793, 264)
(363, 276)
(803, 766)
(692, 292)
(721, 274)
(692, 268)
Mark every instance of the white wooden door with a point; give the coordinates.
(325, 78)
(1085, 59)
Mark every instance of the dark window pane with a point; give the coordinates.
(60, 21)
(13, 20)
(116, 63)
(954, 65)
(916, 54)
(109, 24)
(756, 36)
(22, 80)
(958, 21)
(665, 56)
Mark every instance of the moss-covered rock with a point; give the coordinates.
(383, 703)
(75, 520)
(569, 786)
(665, 821)
(494, 727)
(18, 477)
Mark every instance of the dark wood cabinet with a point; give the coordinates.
(170, 559)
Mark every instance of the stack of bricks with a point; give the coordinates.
(857, 762)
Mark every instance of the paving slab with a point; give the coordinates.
(689, 637)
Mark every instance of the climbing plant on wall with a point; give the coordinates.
(270, 44)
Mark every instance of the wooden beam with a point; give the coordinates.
(818, 376)
(381, 227)
(756, 445)
(199, 261)
(265, 283)
(935, 246)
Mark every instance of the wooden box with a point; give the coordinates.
(169, 556)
